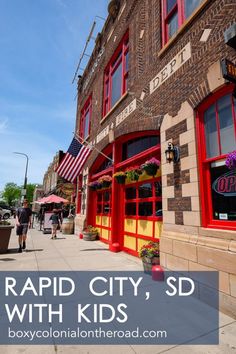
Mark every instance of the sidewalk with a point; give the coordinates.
(69, 253)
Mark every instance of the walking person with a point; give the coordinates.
(23, 222)
(55, 222)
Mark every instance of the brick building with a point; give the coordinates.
(155, 78)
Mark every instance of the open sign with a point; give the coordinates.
(225, 184)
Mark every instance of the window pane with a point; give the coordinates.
(105, 164)
(172, 25)
(190, 6)
(106, 208)
(170, 5)
(130, 193)
(227, 135)
(99, 208)
(130, 209)
(86, 124)
(99, 197)
(145, 190)
(106, 196)
(134, 147)
(145, 209)
(158, 189)
(212, 146)
(116, 85)
(118, 58)
(158, 209)
(223, 191)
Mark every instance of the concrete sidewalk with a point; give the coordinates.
(69, 253)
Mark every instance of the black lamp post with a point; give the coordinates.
(26, 167)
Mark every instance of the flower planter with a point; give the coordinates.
(148, 263)
(89, 236)
(151, 170)
(106, 184)
(120, 179)
(5, 233)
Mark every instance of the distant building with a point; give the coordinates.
(54, 184)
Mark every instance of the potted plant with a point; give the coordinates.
(95, 185)
(133, 173)
(105, 181)
(5, 233)
(90, 233)
(150, 255)
(120, 177)
(151, 166)
(231, 160)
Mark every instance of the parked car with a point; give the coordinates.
(12, 210)
(5, 213)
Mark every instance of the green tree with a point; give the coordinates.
(11, 193)
(30, 192)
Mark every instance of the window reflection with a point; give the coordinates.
(158, 209)
(130, 193)
(135, 146)
(145, 209)
(130, 209)
(158, 191)
(145, 190)
(106, 196)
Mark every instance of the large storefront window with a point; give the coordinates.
(143, 199)
(217, 137)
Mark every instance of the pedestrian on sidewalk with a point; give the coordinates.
(55, 222)
(23, 222)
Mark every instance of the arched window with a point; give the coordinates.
(216, 138)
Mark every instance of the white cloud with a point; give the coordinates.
(3, 125)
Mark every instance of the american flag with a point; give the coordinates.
(73, 160)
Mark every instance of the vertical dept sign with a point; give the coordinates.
(182, 57)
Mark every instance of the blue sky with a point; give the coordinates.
(40, 45)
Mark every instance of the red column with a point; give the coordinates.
(115, 238)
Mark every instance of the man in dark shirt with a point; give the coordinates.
(23, 221)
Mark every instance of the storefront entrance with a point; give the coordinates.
(128, 214)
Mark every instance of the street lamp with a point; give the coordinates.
(26, 168)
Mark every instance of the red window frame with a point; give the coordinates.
(100, 201)
(178, 8)
(138, 200)
(204, 162)
(119, 57)
(87, 109)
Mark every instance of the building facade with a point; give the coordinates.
(154, 78)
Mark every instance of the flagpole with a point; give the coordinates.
(93, 147)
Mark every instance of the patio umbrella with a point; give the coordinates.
(52, 199)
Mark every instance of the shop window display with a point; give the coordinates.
(217, 138)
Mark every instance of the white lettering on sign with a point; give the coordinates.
(92, 70)
(126, 112)
(119, 119)
(102, 134)
(171, 68)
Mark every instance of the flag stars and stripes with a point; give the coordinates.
(73, 161)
